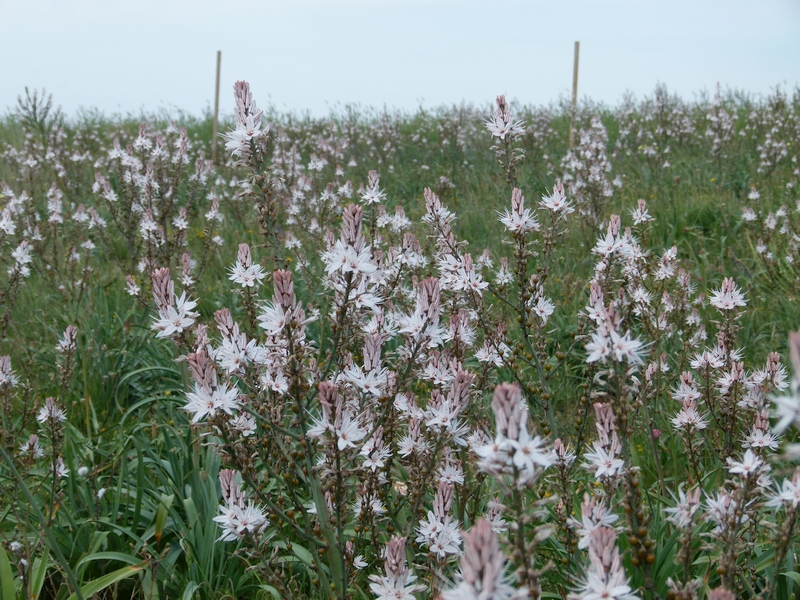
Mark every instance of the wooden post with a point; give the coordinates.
(215, 134)
(574, 94)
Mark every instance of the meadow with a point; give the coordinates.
(402, 355)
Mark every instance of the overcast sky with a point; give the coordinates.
(124, 56)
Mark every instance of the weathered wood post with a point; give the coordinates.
(574, 94)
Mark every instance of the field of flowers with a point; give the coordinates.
(396, 356)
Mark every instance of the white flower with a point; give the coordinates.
(788, 494)
(346, 259)
(401, 587)
(543, 308)
(603, 463)
(787, 409)
(519, 222)
(175, 319)
(7, 224)
(244, 424)
(720, 510)
(686, 392)
(599, 348)
(238, 139)
(273, 318)
(728, 296)
(640, 214)
(625, 348)
(31, 447)
(131, 287)
(682, 514)
(528, 454)
(373, 195)
(614, 586)
(761, 439)
(503, 276)
(359, 262)
(371, 383)
(61, 468)
(500, 128)
(237, 521)
(247, 277)
(51, 412)
(689, 418)
(442, 536)
(276, 382)
(203, 403)
(452, 474)
(371, 503)
(22, 253)
(750, 464)
(606, 245)
(170, 322)
(7, 375)
(349, 432)
(558, 202)
(180, 222)
(601, 517)
(335, 258)
(375, 458)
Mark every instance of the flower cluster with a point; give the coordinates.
(272, 350)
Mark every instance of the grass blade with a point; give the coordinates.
(101, 583)
(47, 536)
(7, 591)
(39, 570)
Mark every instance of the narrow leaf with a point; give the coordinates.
(40, 567)
(273, 592)
(98, 585)
(189, 590)
(161, 514)
(6, 577)
(128, 558)
(794, 576)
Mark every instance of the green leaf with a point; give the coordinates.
(794, 576)
(191, 512)
(764, 560)
(98, 585)
(97, 540)
(273, 592)
(40, 566)
(149, 586)
(46, 536)
(7, 591)
(161, 514)
(189, 590)
(131, 560)
(303, 554)
(146, 401)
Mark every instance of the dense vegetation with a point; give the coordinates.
(318, 410)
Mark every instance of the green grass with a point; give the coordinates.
(124, 398)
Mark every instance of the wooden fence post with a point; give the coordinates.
(574, 95)
(215, 134)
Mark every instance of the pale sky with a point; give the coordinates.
(125, 56)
